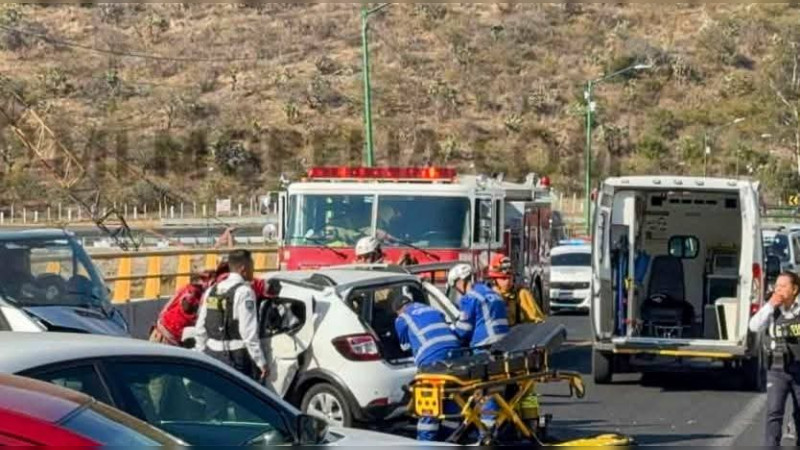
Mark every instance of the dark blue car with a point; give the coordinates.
(49, 275)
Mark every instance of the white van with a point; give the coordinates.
(676, 275)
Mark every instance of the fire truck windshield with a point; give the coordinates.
(425, 222)
(332, 220)
(335, 220)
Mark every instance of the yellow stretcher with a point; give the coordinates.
(510, 379)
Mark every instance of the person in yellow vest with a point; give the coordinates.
(521, 306)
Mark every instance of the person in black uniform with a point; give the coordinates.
(227, 322)
(781, 316)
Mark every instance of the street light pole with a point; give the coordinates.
(588, 154)
(590, 107)
(369, 150)
(707, 146)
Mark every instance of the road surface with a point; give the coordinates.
(697, 409)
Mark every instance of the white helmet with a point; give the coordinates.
(459, 272)
(367, 245)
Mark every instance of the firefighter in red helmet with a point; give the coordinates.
(521, 305)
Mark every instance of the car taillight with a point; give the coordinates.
(378, 402)
(360, 347)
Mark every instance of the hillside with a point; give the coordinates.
(217, 99)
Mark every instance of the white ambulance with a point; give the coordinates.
(677, 272)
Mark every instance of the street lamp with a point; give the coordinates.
(590, 106)
(707, 146)
(369, 152)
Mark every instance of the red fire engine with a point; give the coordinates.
(431, 214)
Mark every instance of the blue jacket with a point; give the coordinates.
(425, 331)
(484, 319)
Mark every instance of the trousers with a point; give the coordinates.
(430, 429)
(780, 386)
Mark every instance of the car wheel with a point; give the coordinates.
(602, 367)
(328, 403)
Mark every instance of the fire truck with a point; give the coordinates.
(421, 214)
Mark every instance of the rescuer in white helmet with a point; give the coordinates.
(368, 251)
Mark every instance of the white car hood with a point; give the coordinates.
(353, 436)
(570, 274)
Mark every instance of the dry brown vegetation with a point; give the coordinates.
(252, 91)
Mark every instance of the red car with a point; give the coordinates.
(37, 413)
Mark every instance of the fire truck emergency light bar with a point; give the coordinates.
(386, 173)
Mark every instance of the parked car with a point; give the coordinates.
(338, 357)
(50, 276)
(570, 277)
(13, 318)
(182, 392)
(33, 412)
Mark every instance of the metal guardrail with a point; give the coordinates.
(156, 271)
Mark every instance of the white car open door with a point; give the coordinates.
(440, 301)
(290, 330)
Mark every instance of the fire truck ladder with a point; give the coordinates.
(69, 174)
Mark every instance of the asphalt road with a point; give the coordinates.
(694, 409)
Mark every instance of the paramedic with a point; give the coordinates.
(425, 332)
(781, 317)
(227, 323)
(483, 320)
(520, 303)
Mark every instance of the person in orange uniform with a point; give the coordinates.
(521, 305)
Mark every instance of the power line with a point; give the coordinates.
(133, 54)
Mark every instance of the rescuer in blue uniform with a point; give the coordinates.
(425, 332)
(482, 322)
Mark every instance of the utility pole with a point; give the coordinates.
(590, 108)
(707, 144)
(369, 150)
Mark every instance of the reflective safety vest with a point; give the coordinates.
(785, 334)
(484, 317)
(220, 324)
(425, 332)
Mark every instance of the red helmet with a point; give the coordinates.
(499, 267)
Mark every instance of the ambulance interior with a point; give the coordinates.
(682, 250)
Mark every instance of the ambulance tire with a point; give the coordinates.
(538, 297)
(602, 367)
(754, 371)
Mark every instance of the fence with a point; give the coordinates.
(62, 213)
(572, 206)
(153, 274)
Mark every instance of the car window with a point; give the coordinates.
(108, 427)
(572, 259)
(373, 306)
(198, 405)
(78, 378)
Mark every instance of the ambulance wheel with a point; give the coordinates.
(328, 403)
(602, 367)
(755, 373)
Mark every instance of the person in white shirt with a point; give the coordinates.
(781, 317)
(227, 322)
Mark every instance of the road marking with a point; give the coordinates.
(739, 424)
